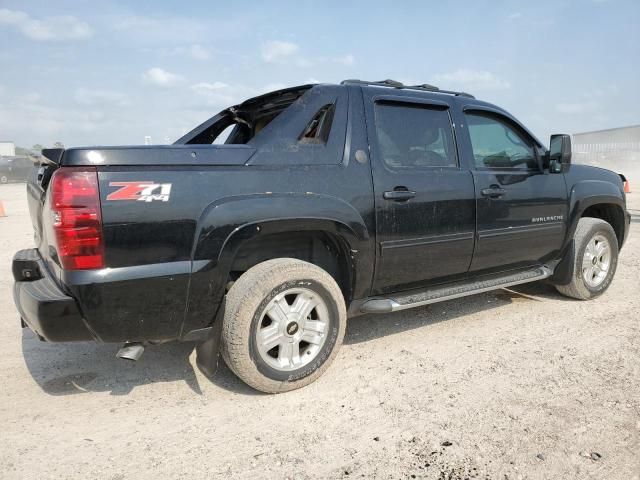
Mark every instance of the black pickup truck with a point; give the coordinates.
(322, 202)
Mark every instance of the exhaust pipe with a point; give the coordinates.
(131, 351)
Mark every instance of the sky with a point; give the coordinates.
(112, 72)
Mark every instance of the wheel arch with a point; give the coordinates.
(301, 238)
(230, 224)
(590, 198)
(597, 199)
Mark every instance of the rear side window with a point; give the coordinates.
(414, 136)
(318, 129)
(496, 144)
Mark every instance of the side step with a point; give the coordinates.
(417, 298)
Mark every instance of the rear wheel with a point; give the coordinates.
(595, 259)
(284, 323)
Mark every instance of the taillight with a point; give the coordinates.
(76, 218)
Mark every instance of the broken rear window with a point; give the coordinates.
(243, 122)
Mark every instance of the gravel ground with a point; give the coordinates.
(519, 383)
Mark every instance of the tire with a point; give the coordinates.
(274, 302)
(592, 235)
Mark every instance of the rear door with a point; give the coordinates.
(424, 199)
(522, 209)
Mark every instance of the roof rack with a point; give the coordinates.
(425, 87)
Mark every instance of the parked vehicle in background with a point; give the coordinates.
(325, 201)
(15, 169)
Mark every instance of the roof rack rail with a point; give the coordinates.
(395, 84)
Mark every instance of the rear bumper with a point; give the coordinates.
(43, 305)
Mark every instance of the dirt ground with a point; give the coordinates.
(514, 384)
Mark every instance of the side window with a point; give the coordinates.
(318, 129)
(498, 145)
(414, 136)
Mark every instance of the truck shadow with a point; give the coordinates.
(73, 368)
(84, 367)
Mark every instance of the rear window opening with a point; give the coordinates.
(317, 131)
(239, 124)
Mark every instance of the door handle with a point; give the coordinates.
(494, 191)
(398, 195)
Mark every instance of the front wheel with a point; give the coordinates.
(283, 325)
(595, 259)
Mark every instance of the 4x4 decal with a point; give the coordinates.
(140, 191)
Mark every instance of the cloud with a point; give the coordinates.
(577, 107)
(515, 16)
(208, 87)
(346, 60)
(195, 51)
(148, 30)
(65, 27)
(218, 94)
(89, 97)
(280, 52)
(199, 52)
(276, 51)
(46, 124)
(161, 78)
(32, 97)
(470, 79)
(221, 95)
(270, 87)
(159, 31)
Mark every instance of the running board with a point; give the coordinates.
(417, 298)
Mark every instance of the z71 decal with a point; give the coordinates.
(140, 191)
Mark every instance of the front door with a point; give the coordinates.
(521, 208)
(424, 200)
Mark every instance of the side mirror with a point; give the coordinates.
(559, 152)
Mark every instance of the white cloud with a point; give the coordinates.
(161, 78)
(32, 97)
(218, 94)
(208, 87)
(270, 87)
(346, 60)
(195, 51)
(276, 51)
(85, 96)
(46, 124)
(199, 52)
(221, 95)
(64, 27)
(470, 79)
(158, 30)
(515, 16)
(304, 62)
(147, 30)
(577, 107)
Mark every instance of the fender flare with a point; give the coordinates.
(587, 193)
